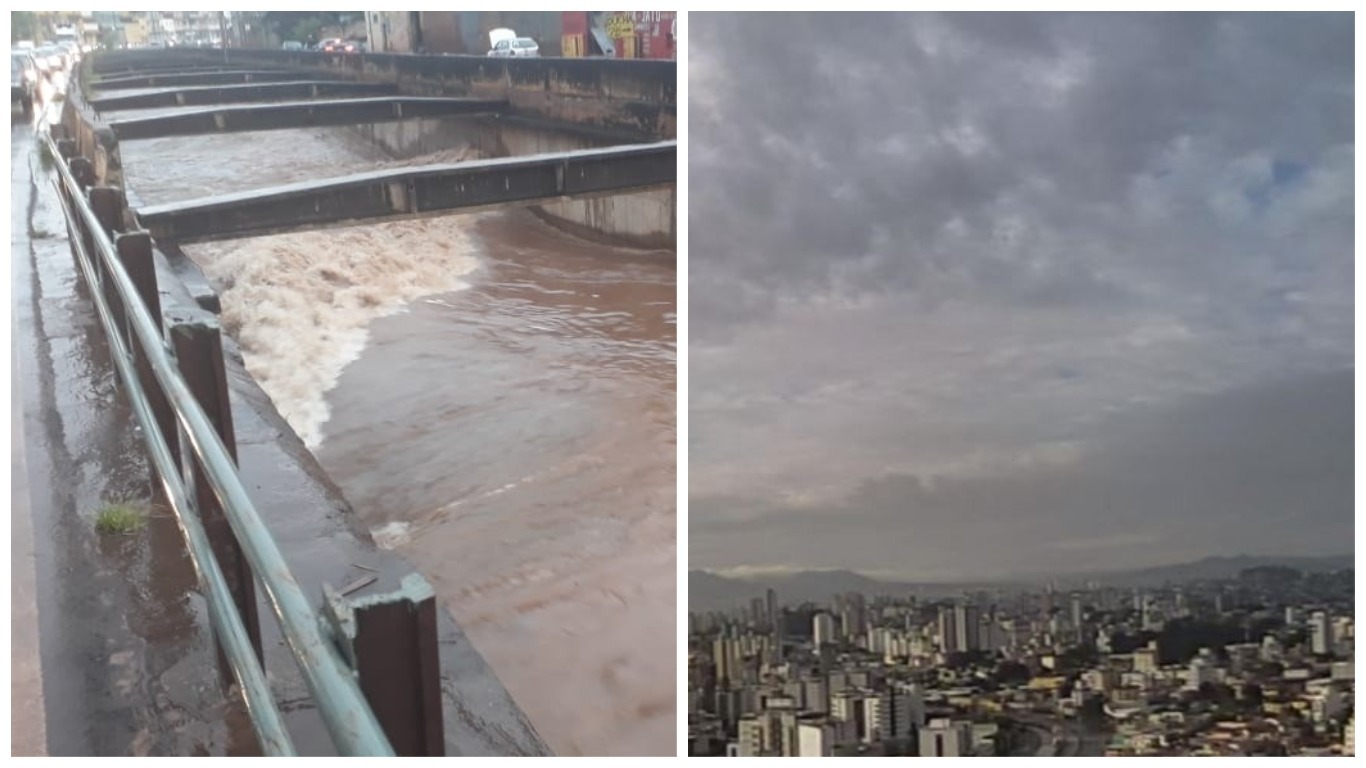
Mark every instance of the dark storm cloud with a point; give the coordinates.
(962, 246)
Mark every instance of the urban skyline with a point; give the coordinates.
(1260, 663)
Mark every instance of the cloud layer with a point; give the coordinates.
(940, 261)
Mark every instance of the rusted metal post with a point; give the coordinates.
(391, 642)
(198, 348)
(79, 167)
(135, 254)
(83, 170)
(107, 204)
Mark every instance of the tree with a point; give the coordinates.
(1012, 673)
(1252, 696)
(23, 25)
(306, 30)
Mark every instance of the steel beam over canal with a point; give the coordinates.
(411, 192)
(299, 114)
(201, 95)
(211, 77)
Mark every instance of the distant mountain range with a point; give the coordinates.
(710, 591)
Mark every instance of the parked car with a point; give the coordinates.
(23, 81)
(50, 59)
(512, 46)
(337, 45)
(72, 49)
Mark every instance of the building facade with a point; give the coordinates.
(613, 34)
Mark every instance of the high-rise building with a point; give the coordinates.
(847, 707)
(968, 627)
(943, 737)
(751, 737)
(873, 720)
(853, 616)
(948, 630)
(1146, 659)
(1321, 633)
(815, 738)
(817, 694)
(1152, 618)
(726, 653)
(1202, 670)
(902, 711)
(1076, 610)
(823, 629)
(1349, 736)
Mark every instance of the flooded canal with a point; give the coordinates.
(496, 400)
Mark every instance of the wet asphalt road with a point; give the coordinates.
(126, 659)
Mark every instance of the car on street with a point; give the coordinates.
(50, 58)
(293, 45)
(337, 45)
(505, 43)
(23, 81)
(71, 51)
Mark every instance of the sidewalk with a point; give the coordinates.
(28, 725)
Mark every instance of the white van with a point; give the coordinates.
(505, 42)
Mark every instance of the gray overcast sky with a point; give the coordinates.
(980, 294)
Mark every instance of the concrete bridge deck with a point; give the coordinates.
(300, 114)
(410, 192)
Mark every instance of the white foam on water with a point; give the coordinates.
(300, 304)
(391, 535)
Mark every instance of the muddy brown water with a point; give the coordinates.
(496, 399)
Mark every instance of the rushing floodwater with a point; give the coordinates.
(497, 401)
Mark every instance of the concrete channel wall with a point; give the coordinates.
(632, 96)
(642, 219)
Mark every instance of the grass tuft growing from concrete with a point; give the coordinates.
(119, 518)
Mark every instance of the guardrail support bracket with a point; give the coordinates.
(391, 642)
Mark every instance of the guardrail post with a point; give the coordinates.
(391, 642)
(82, 170)
(198, 347)
(79, 166)
(135, 254)
(107, 204)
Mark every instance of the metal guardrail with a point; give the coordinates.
(349, 719)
